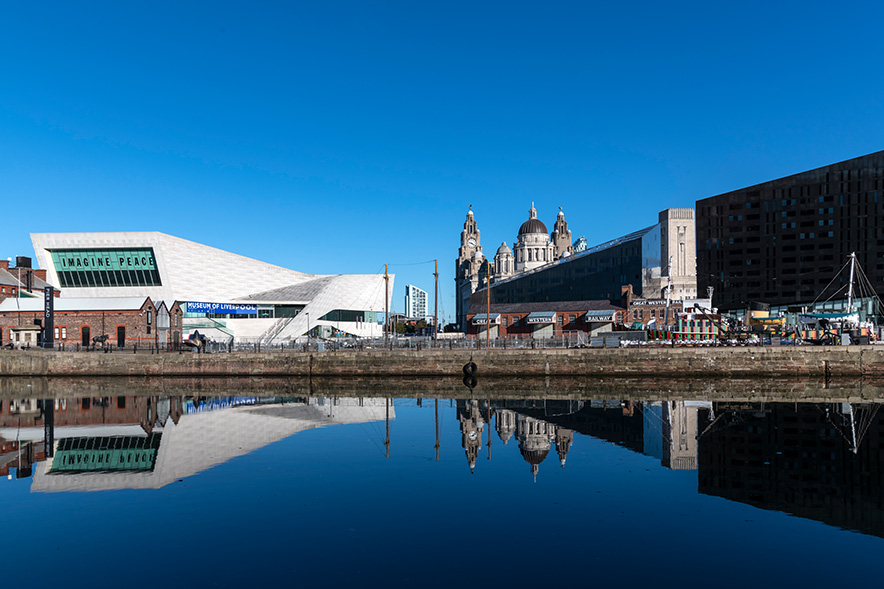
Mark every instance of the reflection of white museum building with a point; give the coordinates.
(221, 293)
(175, 444)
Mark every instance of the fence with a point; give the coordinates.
(564, 340)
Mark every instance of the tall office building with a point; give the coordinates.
(782, 242)
(415, 302)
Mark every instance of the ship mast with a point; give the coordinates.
(850, 285)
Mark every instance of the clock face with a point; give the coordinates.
(471, 242)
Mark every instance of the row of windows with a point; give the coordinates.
(560, 319)
(85, 278)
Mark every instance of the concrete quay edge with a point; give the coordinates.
(724, 362)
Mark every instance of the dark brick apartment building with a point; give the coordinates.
(781, 242)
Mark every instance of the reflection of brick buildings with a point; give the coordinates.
(86, 411)
(800, 461)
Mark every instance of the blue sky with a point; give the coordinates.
(335, 137)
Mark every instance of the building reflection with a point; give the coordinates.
(821, 461)
(666, 430)
(91, 444)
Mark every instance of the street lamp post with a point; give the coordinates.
(18, 294)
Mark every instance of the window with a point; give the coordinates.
(56, 333)
(504, 320)
(561, 320)
(572, 318)
(106, 267)
(64, 333)
(515, 320)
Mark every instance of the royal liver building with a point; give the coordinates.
(534, 247)
(656, 261)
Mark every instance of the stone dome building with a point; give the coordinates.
(504, 262)
(533, 247)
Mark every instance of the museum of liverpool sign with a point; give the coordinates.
(221, 308)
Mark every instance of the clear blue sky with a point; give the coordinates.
(332, 137)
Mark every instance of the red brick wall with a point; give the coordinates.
(71, 323)
(526, 330)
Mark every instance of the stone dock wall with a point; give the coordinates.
(726, 362)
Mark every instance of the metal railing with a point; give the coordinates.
(398, 343)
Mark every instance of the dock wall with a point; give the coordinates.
(725, 362)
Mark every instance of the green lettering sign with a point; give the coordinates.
(116, 267)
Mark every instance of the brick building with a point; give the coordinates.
(126, 321)
(650, 313)
(544, 320)
(22, 280)
(781, 242)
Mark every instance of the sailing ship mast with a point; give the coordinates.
(850, 284)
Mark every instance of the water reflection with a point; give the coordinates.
(96, 444)
(815, 460)
(821, 461)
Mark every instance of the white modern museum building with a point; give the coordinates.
(222, 294)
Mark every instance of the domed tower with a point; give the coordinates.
(469, 269)
(471, 427)
(533, 248)
(564, 439)
(561, 237)
(504, 264)
(506, 424)
(535, 440)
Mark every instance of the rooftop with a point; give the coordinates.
(74, 304)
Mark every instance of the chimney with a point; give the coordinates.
(41, 274)
(4, 264)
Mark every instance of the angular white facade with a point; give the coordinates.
(200, 441)
(164, 267)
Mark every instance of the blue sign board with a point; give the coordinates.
(221, 308)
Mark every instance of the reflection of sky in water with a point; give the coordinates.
(325, 507)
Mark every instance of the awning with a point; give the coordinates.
(482, 319)
(545, 317)
(600, 316)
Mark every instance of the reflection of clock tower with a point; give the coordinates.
(469, 267)
(471, 427)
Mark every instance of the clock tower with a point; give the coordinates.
(469, 266)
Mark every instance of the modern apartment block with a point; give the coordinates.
(415, 302)
(781, 242)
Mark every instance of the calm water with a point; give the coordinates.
(182, 491)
